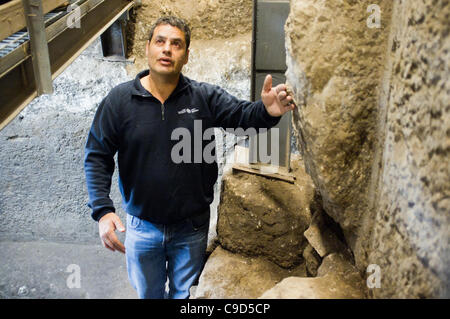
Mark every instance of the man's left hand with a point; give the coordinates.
(276, 100)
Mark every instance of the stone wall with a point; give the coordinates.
(334, 66)
(410, 239)
(372, 124)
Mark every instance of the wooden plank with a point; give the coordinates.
(253, 170)
(12, 17)
(39, 48)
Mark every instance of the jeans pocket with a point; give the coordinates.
(135, 222)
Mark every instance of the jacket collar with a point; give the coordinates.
(138, 89)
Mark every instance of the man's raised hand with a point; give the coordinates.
(276, 100)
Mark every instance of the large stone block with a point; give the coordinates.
(327, 287)
(335, 63)
(312, 260)
(410, 235)
(372, 124)
(259, 216)
(323, 237)
(337, 279)
(227, 275)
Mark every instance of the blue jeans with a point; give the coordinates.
(149, 246)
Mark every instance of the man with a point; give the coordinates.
(167, 203)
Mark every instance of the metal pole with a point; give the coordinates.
(269, 56)
(39, 49)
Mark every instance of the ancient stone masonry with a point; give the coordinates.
(262, 217)
(273, 236)
(229, 275)
(372, 123)
(336, 278)
(367, 215)
(334, 67)
(370, 83)
(411, 191)
(373, 126)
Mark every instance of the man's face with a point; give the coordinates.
(166, 51)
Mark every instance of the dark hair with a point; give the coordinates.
(175, 22)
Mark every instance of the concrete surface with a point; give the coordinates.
(41, 269)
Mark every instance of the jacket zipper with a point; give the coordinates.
(162, 111)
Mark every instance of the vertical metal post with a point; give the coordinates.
(269, 57)
(253, 63)
(39, 49)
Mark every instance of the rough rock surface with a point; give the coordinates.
(326, 287)
(336, 263)
(227, 275)
(372, 124)
(334, 67)
(411, 191)
(265, 217)
(312, 260)
(208, 19)
(337, 279)
(322, 237)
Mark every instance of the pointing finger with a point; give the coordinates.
(267, 86)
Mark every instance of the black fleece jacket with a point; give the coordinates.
(130, 121)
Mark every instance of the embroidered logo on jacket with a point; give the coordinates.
(187, 110)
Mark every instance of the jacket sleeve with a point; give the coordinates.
(231, 112)
(101, 145)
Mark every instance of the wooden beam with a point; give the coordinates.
(258, 171)
(12, 17)
(39, 48)
(17, 84)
